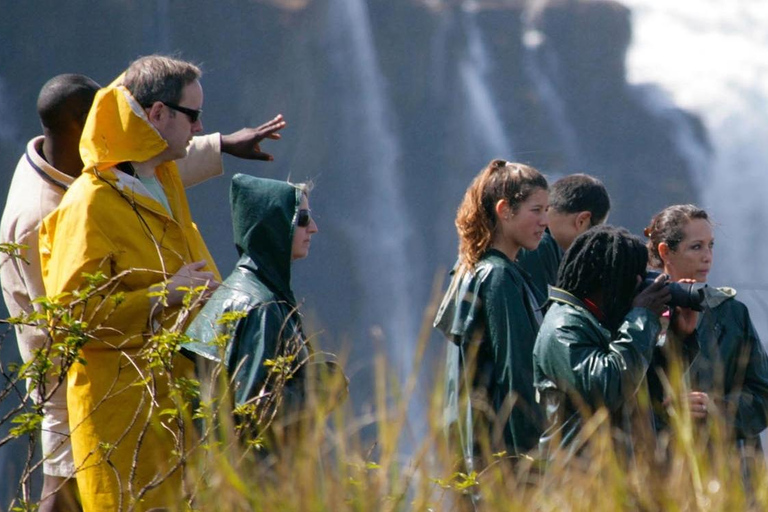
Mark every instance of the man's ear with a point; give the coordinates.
(502, 209)
(156, 111)
(664, 251)
(583, 221)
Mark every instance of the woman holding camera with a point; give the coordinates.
(490, 313)
(724, 364)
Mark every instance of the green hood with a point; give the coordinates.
(263, 212)
(716, 296)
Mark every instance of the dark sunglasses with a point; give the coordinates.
(303, 217)
(191, 113)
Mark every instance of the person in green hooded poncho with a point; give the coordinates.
(251, 323)
(725, 367)
(596, 342)
(490, 314)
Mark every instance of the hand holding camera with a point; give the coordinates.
(686, 293)
(654, 293)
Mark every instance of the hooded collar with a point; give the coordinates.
(715, 296)
(117, 130)
(263, 213)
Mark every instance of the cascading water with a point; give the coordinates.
(711, 57)
(540, 64)
(381, 231)
(489, 137)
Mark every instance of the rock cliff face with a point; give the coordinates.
(393, 107)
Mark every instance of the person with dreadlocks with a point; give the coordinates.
(490, 314)
(596, 342)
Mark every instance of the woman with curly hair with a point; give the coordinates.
(490, 314)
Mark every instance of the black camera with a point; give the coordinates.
(685, 295)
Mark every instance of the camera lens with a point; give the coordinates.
(684, 295)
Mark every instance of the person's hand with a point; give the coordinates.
(189, 276)
(244, 143)
(698, 402)
(655, 296)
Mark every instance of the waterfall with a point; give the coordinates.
(487, 132)
(711, 58)
(380, 230)
(540, 64)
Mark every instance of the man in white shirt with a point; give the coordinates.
(50, 164)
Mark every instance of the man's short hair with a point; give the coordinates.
(159, 78)
(65, 97)
(580, 193)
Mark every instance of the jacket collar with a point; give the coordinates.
(117, 130)
(132, 189)
(45, 170)
(564, 297)
(560, 295)
(716, 296)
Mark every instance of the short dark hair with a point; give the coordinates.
(607, 259)
(65, 97)
(667, 226)
(159, 78)
(580, 193)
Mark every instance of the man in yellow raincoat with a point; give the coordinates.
(127, 217)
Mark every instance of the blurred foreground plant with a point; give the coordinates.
(253, 458)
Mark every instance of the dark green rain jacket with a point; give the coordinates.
(726, 360)
(543, 262)
(263, 213)
(492, 311)
(579, 365)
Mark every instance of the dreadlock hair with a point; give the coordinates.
(667, 227)
(606, 259)
(476, 217)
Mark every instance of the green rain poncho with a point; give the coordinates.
(491, 313)
(543, 262)
(726, 360)
(263, 214)
(580, 366)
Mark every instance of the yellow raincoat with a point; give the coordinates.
(109, 222)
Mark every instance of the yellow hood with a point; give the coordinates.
(117, 130)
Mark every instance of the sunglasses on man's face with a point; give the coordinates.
(191, 113)
(303, 217)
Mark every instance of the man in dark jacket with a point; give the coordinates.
(576, 203)
(596, 342)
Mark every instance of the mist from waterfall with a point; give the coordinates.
(488, 134)
(541, 66)
(711, 58)
(380, 230)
